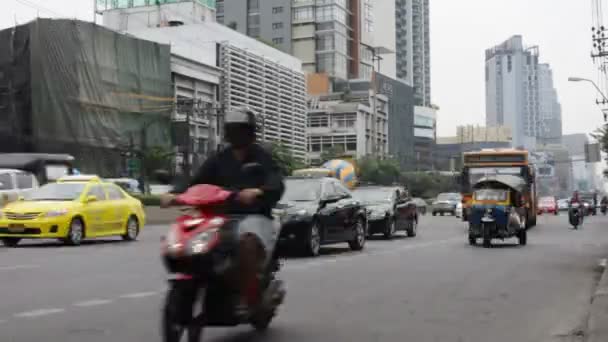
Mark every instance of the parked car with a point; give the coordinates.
(548, 205)
(388, 210)
(562, 204)
(420, 205)
(15, 184)
(318, 211)
(446, 203)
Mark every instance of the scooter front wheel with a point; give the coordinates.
(177, 319)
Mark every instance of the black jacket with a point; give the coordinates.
(224, 170)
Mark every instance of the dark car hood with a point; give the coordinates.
(377, 206)
(289, 207)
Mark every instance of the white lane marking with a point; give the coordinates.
(18, 267)
(38, 313)
(350, 257)
(93, 302)
(603, 262)
(139, 294)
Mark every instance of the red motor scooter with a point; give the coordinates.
(199, 251)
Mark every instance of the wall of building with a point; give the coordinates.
(401, 119)
(138, 17)
(385, 35)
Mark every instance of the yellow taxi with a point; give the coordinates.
(71, 209)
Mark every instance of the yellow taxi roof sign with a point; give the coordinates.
(79, 178)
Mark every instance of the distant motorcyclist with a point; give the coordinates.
(252, 200)
(581, 208)
(604, 204)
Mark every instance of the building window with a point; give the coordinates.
(277, 26)
(303, 13)
(277, 40)
(276, 10)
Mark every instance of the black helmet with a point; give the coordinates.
(239, 127)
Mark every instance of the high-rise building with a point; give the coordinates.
(549, 107)
(330, 36)
(413, 49)
(512, 91)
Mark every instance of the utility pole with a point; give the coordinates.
(188, 147)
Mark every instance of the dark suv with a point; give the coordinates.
(319, 211)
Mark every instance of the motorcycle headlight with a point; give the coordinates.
(201, 242)
(488, 211)
(174, 245)
(56, 213)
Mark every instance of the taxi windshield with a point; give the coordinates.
(57, 192)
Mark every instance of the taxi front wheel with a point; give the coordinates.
(10, 242)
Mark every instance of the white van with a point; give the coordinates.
(15, 184)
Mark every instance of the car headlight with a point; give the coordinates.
(56, 213)
(295, 216)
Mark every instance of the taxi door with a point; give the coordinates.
(117, 209)
(96, 212)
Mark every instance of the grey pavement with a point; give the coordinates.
(433, 287)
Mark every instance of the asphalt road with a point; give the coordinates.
(430, 288)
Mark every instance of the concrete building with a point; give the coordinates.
(400, 98)
(512, 90)
(269, 20)
(413, 52)
(347, 126)
(583, 173)
(520, 94)
(550, 110)
(267, 80)
(425, 135)
(448, 151)
(137, 14)
(385, 37)
(333, 37)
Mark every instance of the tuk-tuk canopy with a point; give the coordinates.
(516, 183)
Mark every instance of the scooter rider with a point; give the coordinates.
(576, 199)
(253, 202)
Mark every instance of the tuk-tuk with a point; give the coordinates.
(46, 167)
(497, 210)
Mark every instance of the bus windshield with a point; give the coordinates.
(477, 173)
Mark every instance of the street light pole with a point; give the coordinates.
(578, 79)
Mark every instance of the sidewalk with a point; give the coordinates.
(598, 316)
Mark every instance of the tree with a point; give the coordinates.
(378, 171)
(601, 135)
(157, 158)
(232, 25)
(285, 160)
(333, 152)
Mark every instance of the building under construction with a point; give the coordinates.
(68, 86)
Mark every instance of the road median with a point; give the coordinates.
(598, 316)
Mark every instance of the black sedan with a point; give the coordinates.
(319, 211)
(388, 210)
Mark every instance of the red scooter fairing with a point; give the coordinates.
(204, 195)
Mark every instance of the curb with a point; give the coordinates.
(598, 316)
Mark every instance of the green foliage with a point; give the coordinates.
(284, 159)
(428, 185)
(269, 43)
(157, 158)
(335, 152)
(378, 171)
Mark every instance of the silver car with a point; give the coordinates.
(446, 203)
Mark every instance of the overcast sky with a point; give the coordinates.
(461, 30)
